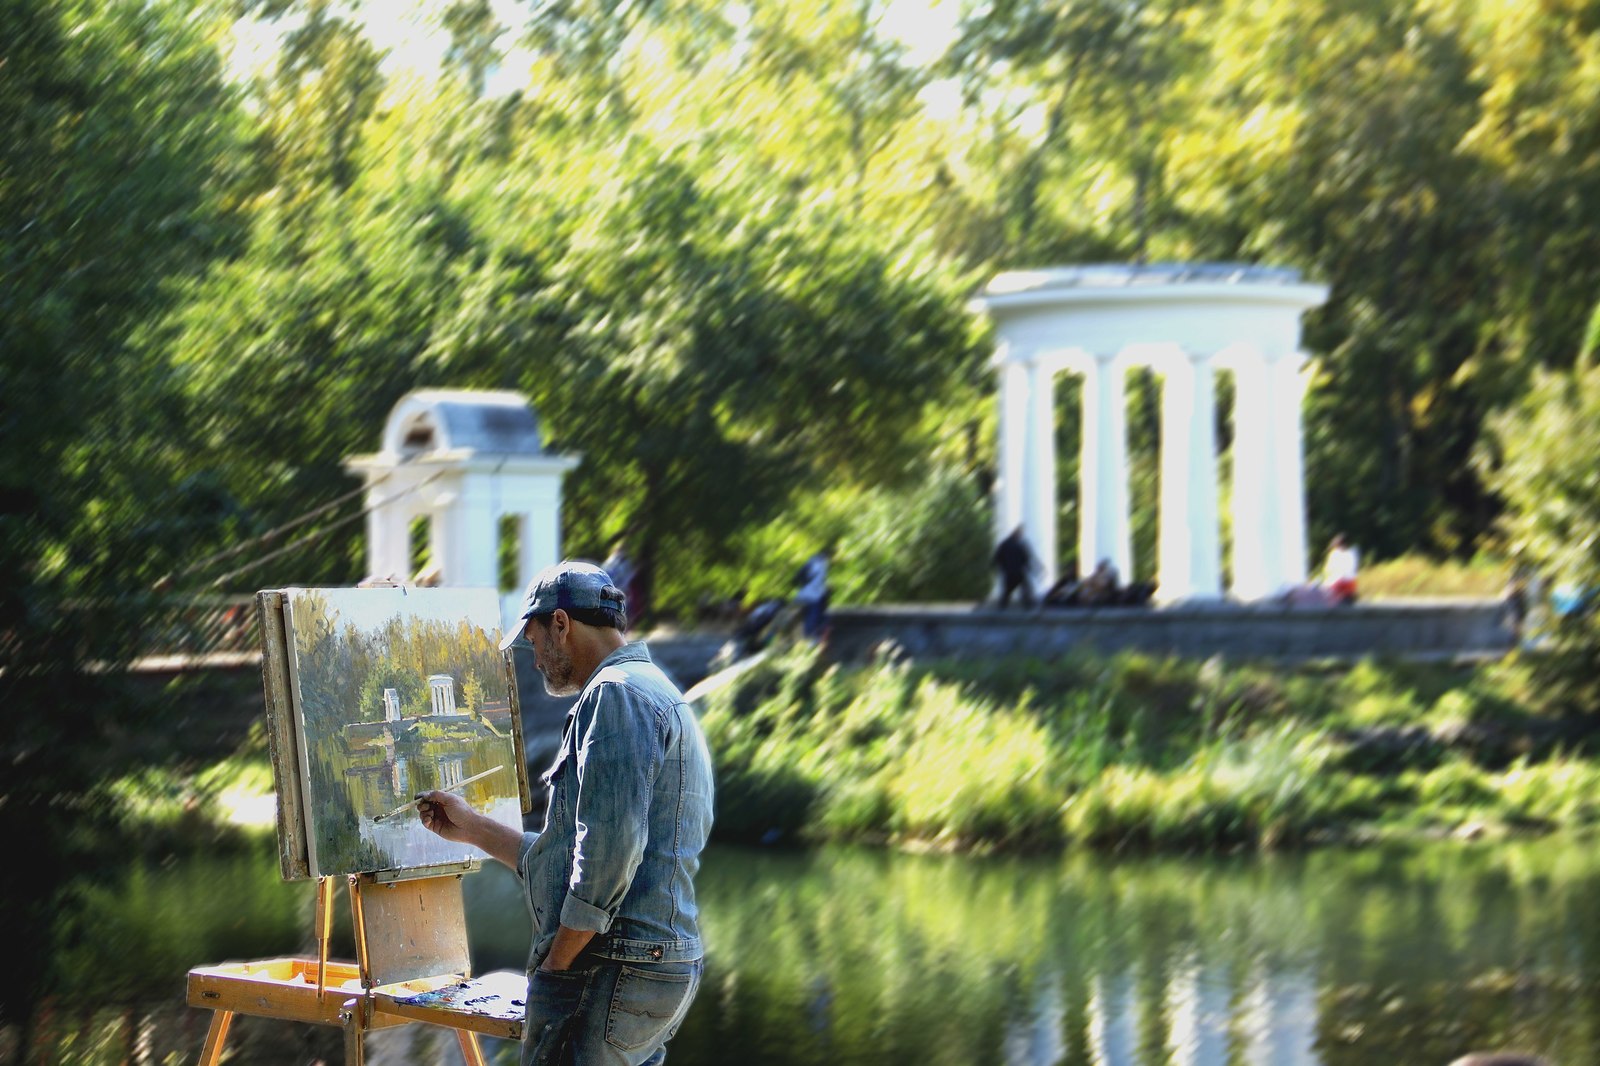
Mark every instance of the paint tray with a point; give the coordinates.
(492, 1004)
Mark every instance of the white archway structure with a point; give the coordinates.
(465, 461)
(1186, 322)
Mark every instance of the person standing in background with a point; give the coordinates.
(811, 592)
(1016, 562)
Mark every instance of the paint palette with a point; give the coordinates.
(493, 1004)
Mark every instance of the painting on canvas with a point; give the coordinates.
(395, 692)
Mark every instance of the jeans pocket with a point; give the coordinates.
(553, 1003)
(647, 1005)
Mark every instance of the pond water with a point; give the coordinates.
(1394, 955)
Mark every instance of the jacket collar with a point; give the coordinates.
(633, 652)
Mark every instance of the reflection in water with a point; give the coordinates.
(1331, 959)
(1113, 1020)
(1036, 1037)
(846, 956)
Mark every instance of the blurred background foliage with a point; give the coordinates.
(725, 249)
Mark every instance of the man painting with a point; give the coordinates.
(609, 882)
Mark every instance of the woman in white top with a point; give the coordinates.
(1339, 571)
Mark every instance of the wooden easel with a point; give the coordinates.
(411, 966)
(412, 961)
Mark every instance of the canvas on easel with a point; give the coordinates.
(397, 691)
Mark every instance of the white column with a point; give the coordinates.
(1103, 468)
(537, 503)
(388, 538)
(1288, 397)
(466, 541)
(1039, 507)
(1190, 558)
(1010, 488)
(543, 531)
(1255, 541)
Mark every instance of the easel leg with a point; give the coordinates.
(216, 1036)
(324, 926)
(355, 1024)
(470, 1050)
(355, 1053)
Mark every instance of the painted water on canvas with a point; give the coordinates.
(397, 691)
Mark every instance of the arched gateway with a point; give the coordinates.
(1186, 322)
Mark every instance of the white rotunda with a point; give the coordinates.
(1187, 323)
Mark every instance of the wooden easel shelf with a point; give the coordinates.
(286, 989)
(278, 988)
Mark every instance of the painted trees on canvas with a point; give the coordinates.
(397, 692)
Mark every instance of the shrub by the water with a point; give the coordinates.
(1134, 751)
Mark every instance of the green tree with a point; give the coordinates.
(1098, 84)
(1366, 187)
(930, 541)
(474, 37)
(119, 147)
(120, 142)
(1546, 465)
(318, 99)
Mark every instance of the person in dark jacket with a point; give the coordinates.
(1016, 562)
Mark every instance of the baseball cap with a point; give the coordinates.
(570, 586)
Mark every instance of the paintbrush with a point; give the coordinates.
(457, 787)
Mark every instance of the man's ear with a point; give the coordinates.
(560, 624)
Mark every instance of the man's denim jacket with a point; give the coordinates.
(629, 810)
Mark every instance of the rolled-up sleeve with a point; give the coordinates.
(618, 759)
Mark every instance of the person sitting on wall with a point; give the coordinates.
(1339, 570)
(1100, 588)
(1137, 594)
(1309, 595)
(812, 592)
(1064, 593)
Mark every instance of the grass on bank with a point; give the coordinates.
(1135, 751)
(1483, 577)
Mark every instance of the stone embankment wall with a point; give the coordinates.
(1430, 629)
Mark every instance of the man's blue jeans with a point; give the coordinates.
(606, 1013)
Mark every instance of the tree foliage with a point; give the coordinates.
(119, 144)
(725, 250)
